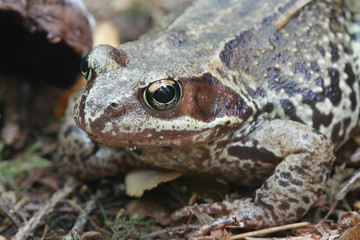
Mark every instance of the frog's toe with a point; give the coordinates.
(229, 221)
(242, 213)
(223, 207)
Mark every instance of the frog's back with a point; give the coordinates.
(306, 71)
(309, 71)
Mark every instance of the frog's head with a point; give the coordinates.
(132, 101)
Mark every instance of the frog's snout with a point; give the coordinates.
(115, 110)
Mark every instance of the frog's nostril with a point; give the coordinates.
(115, 110)
(114, 105)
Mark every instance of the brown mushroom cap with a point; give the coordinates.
(44, 40)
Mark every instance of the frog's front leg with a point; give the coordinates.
(295, 185)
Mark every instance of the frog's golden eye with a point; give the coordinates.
(163, 94)
(85, 67)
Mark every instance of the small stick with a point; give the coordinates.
(270, 230)
(288, 14)
(10, 216)
(83, 217)
(284, 238)
(35, 221)
(330, 211)
(348, 186)
(46, 229)
(168, 231)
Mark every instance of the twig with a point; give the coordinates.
(187, 224)
(90, 234)
(288, 14)
(10, 216)
(84, 214)
(89, 207)
(270, 230)
(5, 211)
(72, 235)
(348, 186)
(99, 229)
(34, 222)
(46, 229)
(285, 238)
(330, 211)
(167, 231)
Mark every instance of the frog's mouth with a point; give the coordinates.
(137, 133)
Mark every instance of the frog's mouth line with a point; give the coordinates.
(103, 131)
(163, 138)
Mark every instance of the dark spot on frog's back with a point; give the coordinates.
(300, 67)
(300, 212)
(253, 153)
(321, 50)
(283, 183)
(119, 56)
(334, 52)
(224, 75)
(314, 66)
(350, 82)
(333, 92)
(228, 56)
(305, 199)
(290, 110)
(274, 75)
(335, 133)
(254, 93)
(343, 126)
(284, 206)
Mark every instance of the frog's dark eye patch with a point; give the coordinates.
(85, 67)
(162, 94)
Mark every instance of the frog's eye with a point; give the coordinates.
(162, 94)
(85, 67)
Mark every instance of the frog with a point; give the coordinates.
(220, 89)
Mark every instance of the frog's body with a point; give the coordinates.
(256, 104)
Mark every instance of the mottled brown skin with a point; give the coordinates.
(88, 159)
(258, 104)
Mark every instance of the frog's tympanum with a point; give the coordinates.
(220, 89)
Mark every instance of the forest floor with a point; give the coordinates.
(37, 201)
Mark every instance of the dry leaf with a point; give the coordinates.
(141, 208)
(349, 219)
(140, 180)
(351, 234)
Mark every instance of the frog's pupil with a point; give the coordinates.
(164, 94)
(85, 65)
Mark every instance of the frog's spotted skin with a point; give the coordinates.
(88, 159)
(354, 30)
(258, 104)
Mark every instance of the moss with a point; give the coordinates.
(134, 227)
